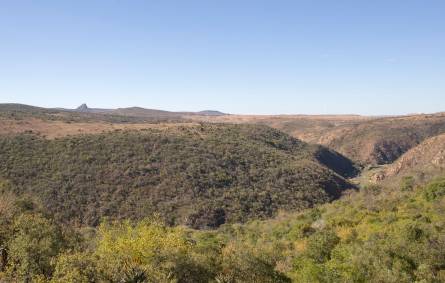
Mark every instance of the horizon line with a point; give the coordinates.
(228, 113)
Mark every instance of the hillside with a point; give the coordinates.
(384, 140)
(202, 175)
(368, 140)
(423, 161)
(373, 235)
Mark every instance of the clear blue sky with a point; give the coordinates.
(237, 56)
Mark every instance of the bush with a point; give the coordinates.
(75, 267)
(435, 190)
(35, 243)
(407, 183)
(146, 251)
(320, 245)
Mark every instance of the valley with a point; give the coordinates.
(111, 195)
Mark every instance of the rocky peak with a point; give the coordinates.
(82, 108)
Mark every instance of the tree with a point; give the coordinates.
(146, 252)
(75, 267)
(36, 241)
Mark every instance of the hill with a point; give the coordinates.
(423, 161)
(202, 175)
(373, 235)
(82, 114)
(367, 140)
(384, 140)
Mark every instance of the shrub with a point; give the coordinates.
(434, 190)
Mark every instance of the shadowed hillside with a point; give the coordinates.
(384, 140)
(368, 140)
(421, 162)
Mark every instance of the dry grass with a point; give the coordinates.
(58, 129)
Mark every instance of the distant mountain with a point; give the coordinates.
(143, 112)
(84, 113)
(82, 108)
(211, 113)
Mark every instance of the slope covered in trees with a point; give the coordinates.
(374, 235)
(202, 176)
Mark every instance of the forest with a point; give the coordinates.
(200, 176)
(371, 235)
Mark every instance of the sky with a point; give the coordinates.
(376, 57)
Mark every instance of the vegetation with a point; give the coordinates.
(382, 141)
(374, 235)
(420, 163)
(367, 140)
(21, 112)
(201, 176)
(213, 203)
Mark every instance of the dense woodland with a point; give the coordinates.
(202, 176)
(374, 235)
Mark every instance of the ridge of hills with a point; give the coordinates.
(144, 112)
(369, 141)
(85, 114)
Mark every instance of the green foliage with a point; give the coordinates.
(206, 176)
(375, 235)
(243, 263)
(35, 242)
(201, 176)
(149, 251)
(407, 183)
(320, 245)
(400, 237)
(75, 267)
(435, 190)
